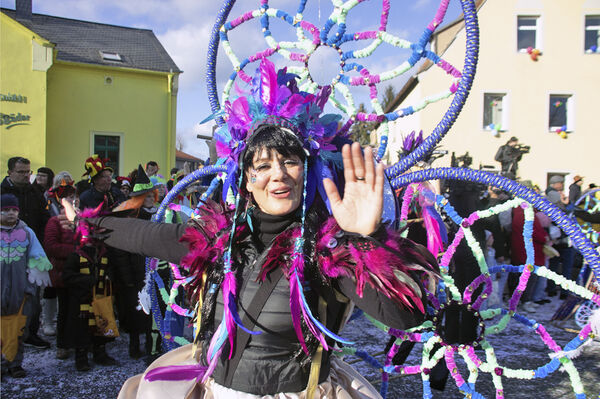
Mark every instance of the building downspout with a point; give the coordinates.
(170, 139)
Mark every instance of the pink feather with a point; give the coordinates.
(268, 85)
(434, 237)
(238, 112)
(384, 270)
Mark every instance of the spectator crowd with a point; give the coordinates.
(54, 279)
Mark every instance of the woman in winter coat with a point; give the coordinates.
(274, 275)
(59, 242)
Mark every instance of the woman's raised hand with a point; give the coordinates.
(70, 211)
(360, 209)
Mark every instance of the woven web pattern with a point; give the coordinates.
(352, 73)
(491, 320)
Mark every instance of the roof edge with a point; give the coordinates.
(41, 40)
(79, 20)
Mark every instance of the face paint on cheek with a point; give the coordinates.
(253, 176)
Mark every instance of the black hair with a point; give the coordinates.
(13, 161)
(151, 163)
(49, 172)
(270, 137)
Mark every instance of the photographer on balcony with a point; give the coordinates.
(509, 156)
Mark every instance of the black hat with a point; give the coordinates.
(142, 183)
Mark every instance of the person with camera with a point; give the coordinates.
(509, 156)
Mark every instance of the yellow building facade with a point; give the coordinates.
(74, 106)
(24, 60)
(514, 95)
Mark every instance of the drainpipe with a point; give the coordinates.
(170, 160)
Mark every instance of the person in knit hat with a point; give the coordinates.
(32, 211)
(24, 266)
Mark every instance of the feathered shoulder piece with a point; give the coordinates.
(387, 262)
(87, 232)
(207, 237)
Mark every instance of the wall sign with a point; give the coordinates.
(12, 120)
(15, 98)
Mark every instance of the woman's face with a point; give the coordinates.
(42, 179)
(275, 182)
(149, 200)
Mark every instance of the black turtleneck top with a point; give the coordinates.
(266, 227)
(268, 364)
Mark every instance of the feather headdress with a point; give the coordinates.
(274, 98)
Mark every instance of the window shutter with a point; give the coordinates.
(571, 114)
(505, 112)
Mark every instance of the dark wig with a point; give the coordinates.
(272, 137)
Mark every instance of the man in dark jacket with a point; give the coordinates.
(32, 204)
(509, 156)
(575, 189)
(32, 210)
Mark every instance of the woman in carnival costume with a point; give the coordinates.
(272, 274)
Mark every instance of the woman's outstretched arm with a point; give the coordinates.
(143, 237)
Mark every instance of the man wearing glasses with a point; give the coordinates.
(32, 210)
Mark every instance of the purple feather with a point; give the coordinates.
(176, 373)
(323, 96)
(236, 317)
(239, 117)
(229, 290)
(407, 143)
(290, 108)
(419, 140)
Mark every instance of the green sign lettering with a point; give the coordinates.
(15, 98)
(12, 120)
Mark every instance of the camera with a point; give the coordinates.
(523, 149)
(463, 161)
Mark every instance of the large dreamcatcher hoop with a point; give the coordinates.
(334, 34)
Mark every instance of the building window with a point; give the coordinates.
(528, 33)
(108, 147)
(111, 56)
(495, 111)
(561, 113)
(592, 34)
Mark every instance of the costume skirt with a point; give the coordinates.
(343, 383)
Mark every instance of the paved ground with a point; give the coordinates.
(517, 347)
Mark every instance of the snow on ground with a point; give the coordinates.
(516, 347)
